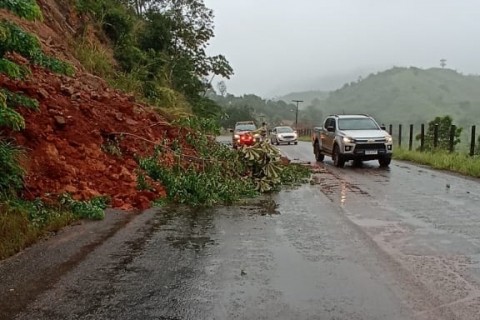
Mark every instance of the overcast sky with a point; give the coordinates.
(279, 46)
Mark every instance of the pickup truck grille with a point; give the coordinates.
(382, 140)
(369, 146)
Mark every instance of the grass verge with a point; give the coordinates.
(305, 138)
(456, 162)
(22, 223)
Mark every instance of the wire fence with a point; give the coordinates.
(416, 137)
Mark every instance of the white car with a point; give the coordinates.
(283, 134)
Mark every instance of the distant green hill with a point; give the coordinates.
(314, 98)
(410, 96)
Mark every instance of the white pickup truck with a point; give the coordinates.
(352, 137)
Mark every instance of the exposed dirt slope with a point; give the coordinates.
(78, 117)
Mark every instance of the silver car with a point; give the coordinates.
(283, 134)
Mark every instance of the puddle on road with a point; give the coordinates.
(332, 185)
(196, 243)
(192, 229)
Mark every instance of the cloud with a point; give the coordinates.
(277, 45)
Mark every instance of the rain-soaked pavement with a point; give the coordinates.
(356, 243)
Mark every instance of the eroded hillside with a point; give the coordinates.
(85, 137)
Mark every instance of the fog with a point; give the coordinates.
(279, 46)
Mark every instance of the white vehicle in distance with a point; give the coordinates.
(283, 134)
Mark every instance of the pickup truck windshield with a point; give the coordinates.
(357, 124)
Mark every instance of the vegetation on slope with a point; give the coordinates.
(159, 50)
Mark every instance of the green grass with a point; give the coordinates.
(27, 9)
(22, 223)
(456, 162)
(94, 58)
(305, 138)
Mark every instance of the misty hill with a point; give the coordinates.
(311, 97)
(410, 95)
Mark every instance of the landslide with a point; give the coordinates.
(69, 140)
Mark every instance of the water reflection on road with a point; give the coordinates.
(355, 243)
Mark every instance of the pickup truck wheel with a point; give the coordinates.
(318, 155)
(384, 162)
(338, 160)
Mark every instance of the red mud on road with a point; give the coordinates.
(65, 140)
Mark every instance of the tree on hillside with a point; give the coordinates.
(443, 139)
(222, 88)
(180, 31)
(235, 114)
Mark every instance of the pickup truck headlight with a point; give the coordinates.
(348, 140)
(237, 136)
(389, 139)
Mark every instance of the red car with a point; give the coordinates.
(242, 134)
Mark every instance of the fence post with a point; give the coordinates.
(422, 136)
(435, 136)
(399, 135)
(453, 128)
(472, 142)
(410, 140)
(390, 129)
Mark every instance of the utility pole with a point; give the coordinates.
(296, 113)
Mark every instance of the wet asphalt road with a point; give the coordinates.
(356, 243)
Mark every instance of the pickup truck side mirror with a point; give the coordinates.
(330, 128)
(231, 130)
(383, 127)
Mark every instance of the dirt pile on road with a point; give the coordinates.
(85, 138)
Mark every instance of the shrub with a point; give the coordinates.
(12, 70)
(27, 9)
(94, 58)
(117, 24)
(127, 82)
(443, 139)
(91, 209)
(129, 57)
(8, 117)
(93, 7)
(206, 126)
(26, 44)
(11, 178)
(14, 100)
